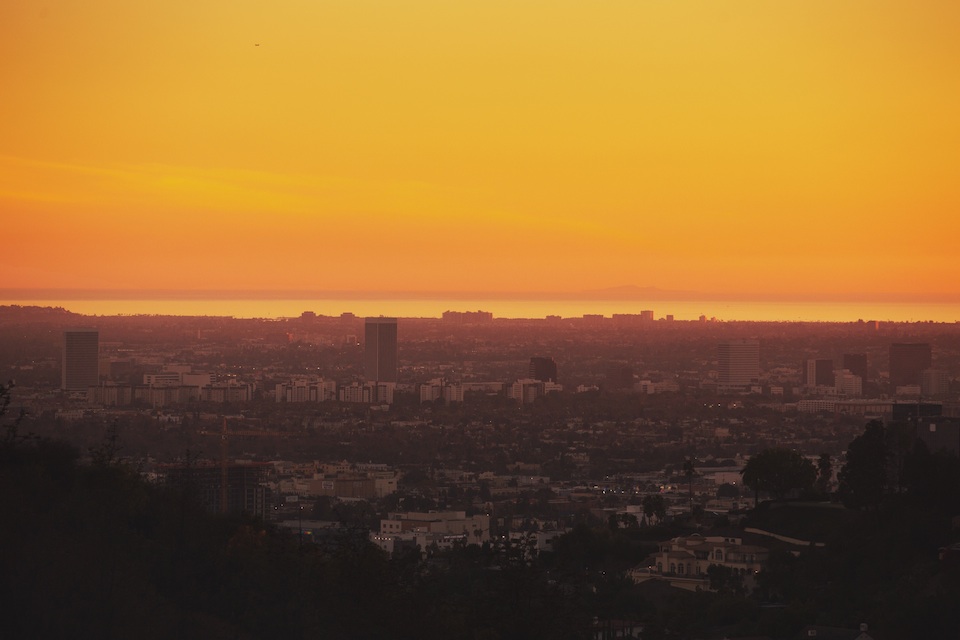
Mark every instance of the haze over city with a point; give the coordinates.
(604, 476)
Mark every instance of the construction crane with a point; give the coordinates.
(224, 457)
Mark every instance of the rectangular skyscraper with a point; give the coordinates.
(738, 363)
(907, 362)
(81, 359)
(381, 361)
(856, 363)
(818, 373)
(543, 369)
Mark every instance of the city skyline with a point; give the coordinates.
(505, 307)
(790, 150)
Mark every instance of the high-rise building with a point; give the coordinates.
(907, 362)
(934, 382)
(543, 369)
(856, 363)
(818, 373)
(381, 360)
(738, 363)
(81, 359)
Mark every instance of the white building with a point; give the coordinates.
(306, 390)
(848, 384)
(816, 405)
(438, 389)
(440, 528)
(527, 390)
(446, 522)
(368, 393)
(684, 561)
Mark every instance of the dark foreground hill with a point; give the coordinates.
(91, 550)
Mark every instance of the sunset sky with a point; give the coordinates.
(752, 148)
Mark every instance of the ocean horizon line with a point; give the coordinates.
(680, 310)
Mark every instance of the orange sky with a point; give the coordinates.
(749, 147)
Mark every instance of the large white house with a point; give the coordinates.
(683, 561)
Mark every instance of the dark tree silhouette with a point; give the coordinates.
(778, 472)
(653, 505)
(863, 478)
(932, 480)
(824, 473)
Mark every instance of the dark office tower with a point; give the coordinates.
(81, 359)
(856, 363)
(907, 362)
(818, 373)
(381, 361)
(543, 369)
(738, 363)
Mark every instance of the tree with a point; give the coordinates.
(824, 473)
(863, 478)
(323, 508)
(484, 490)
(932, 480)
(10, 435)
(727, 490)
(653, 505)
(725, 580)
(626, 520)
(778, 472)
(613, 522)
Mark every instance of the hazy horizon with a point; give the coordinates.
(505, 307)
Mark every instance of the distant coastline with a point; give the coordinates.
(278, 307)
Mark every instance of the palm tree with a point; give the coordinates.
(654, 507)
(689, 470)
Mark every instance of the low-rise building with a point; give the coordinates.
(684, 561)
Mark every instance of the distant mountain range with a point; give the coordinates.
(633, 292)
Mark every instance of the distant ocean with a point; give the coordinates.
(765, 311)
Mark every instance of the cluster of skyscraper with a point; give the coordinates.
(738, 365)
(80, 366)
